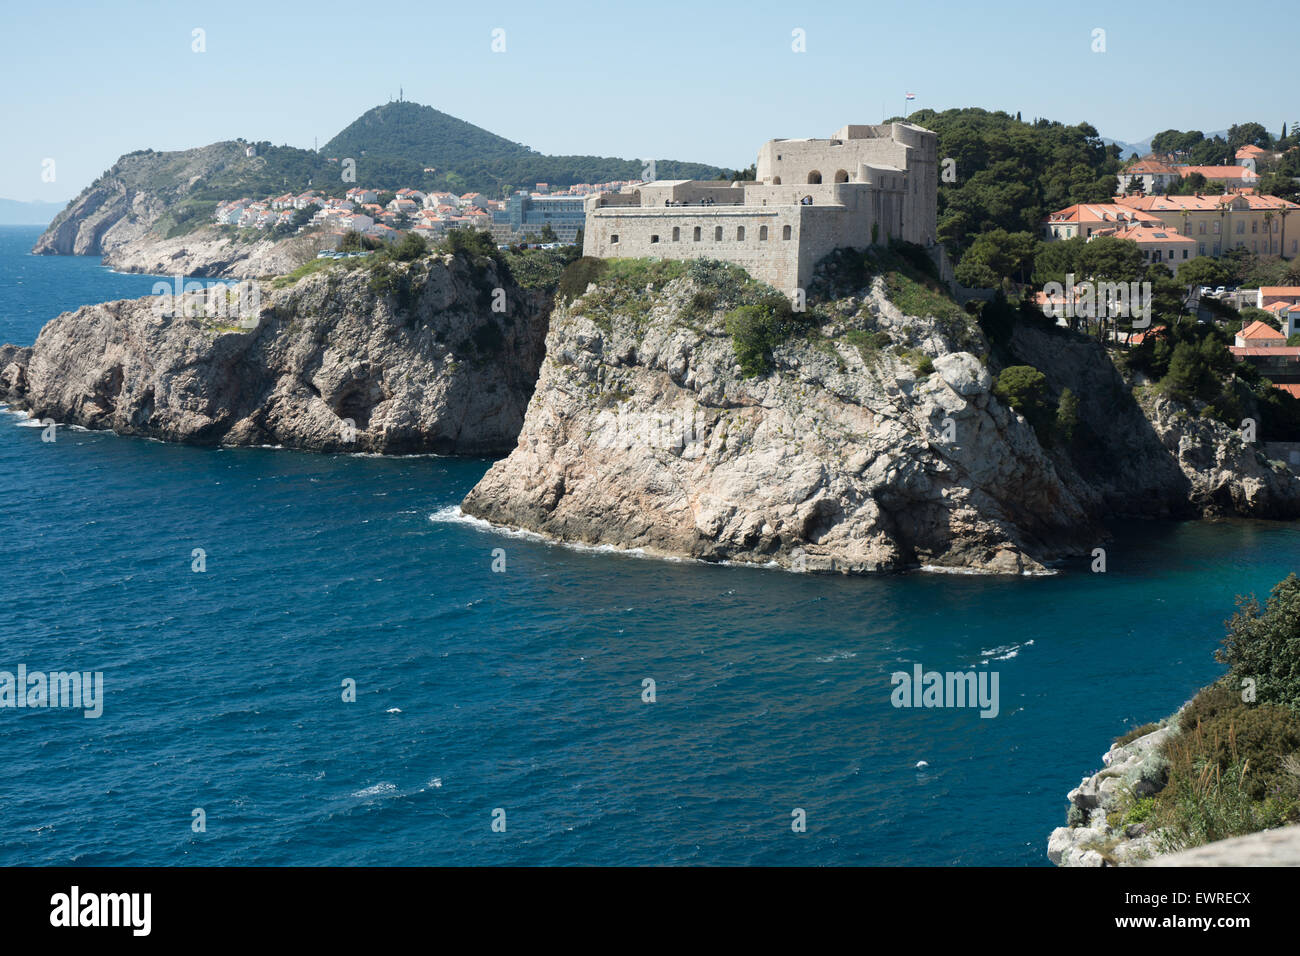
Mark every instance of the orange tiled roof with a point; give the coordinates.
(1219, 172)
(1259, 330)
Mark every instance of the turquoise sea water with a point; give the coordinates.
(522, 690)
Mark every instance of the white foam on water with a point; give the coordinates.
(393, 710)
(381, 789)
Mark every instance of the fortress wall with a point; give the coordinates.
(782, 263)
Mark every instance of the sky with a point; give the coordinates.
(86, 82)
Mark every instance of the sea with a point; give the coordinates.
(315, 660)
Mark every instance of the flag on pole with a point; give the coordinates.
(911, 96)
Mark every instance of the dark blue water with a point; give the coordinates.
(522, 690)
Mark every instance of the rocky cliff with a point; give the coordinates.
(214, 253)
(143, 215)
(398, 358)
(874, 443)
(126, 202)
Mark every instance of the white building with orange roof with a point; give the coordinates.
(1265, 225)
(1084, 219)
(1232, 177)
(1248, 156)
(1158, 244)
(1149, 175)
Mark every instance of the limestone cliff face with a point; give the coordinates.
(646, 435)
(643, 433)
(125, 202)
(1140, 454)
(422, 365)
(210, 252)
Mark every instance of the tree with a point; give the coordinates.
(548, 234)
(1067, 416)
(1202, 271)
(995, 256)
(1108, 259)
(1024, 388)
(1248, 134)
(409, 247)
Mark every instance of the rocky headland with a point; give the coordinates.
(872, 440)
(399, 358)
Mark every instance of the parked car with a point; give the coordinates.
(1220, 290)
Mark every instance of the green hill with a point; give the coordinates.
(393, 144)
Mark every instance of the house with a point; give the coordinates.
(1083, 219)
(1149, 175)
(1257, 335)
(1248, 156)
(359, 195)
(1258, 224)
(1158, 243)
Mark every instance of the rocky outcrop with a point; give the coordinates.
(1280, 847)
(1099, 833)
(643, 433)
(1143, 455)
(212, 252)
(126, 202)
(410, 358)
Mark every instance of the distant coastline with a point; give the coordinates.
(16, 212)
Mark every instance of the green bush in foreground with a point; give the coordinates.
(1263, 645)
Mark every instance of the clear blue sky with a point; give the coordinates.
(84, 83)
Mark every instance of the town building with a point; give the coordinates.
(864, 185)
(1148, 175)
(1158, 244)
(1258, 224)
(1084, 219)
(526, 215)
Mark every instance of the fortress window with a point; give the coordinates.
(717, 234)
(776, 180)
(785, 232)
(841, 176)
(814, 177)
(740, 233)
(654, 238)
(677, 233)
(697, 233)
(613, 240)
(762, 233)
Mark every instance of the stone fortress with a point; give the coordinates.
(864, 185)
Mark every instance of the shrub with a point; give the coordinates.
(1263, 645)
(755, 331)
(409, 248)
(577, 276)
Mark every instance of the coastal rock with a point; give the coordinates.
(1095, 839)
(645, 434)
(410, 360)
(211, 252)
